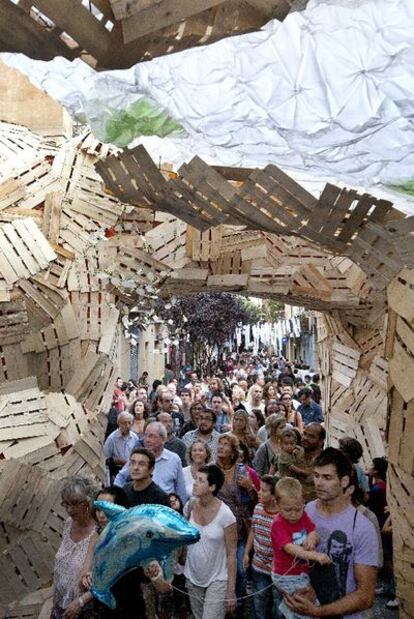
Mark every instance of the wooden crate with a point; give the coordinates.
(24, 250)
(116, 34)
(59, 318)
(345, 362)
(168, 243)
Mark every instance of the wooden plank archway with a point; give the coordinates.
(349, 256)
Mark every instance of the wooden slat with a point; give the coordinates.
(161, 15)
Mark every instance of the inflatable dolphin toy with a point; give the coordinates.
(135, 537)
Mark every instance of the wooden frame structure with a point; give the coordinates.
(116, 34)
(347, 255)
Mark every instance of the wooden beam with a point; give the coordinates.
(162, 15)
(22, 34)
(273, 9)
(123, 9)
(233, 174)
(75, 19)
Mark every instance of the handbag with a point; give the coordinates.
(324, 582)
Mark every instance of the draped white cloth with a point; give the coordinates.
(329, 91)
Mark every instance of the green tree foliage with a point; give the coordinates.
(271, 310)
(207, 320)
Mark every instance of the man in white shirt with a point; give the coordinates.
(120, 443)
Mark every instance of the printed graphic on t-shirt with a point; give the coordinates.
(299, 537)
(340, 552)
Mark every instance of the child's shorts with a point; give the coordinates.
(289, 584)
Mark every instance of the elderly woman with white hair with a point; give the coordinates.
(254, 399)
(119, 444)
(78, 494)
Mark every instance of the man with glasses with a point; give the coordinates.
(168, 470)
(142, 489)
(196, 409)
(205, 432)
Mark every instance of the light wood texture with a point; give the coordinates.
(44, 115)
(78, 221)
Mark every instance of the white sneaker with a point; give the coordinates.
(393, 604)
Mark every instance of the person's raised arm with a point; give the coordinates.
(228, 408)
(360, 599)
(299, 421)
(230, 539)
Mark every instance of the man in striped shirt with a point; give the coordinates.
(266, 603)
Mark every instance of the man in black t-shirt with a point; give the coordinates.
(142, 489)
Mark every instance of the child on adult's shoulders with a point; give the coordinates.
(291, 456)
(294, 540)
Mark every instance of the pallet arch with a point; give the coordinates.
(346, 255)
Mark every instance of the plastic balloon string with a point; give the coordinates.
(244, 597)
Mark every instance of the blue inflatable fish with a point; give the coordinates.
(134, 537)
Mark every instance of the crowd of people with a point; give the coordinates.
(288, 527)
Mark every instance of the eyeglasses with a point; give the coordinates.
(72, 503)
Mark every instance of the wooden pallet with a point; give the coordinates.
(24, 251)
(343, 222)
(114, 34)
(206, 228)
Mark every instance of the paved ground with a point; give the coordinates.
(380, 612)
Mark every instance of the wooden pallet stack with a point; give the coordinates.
(337, 254)
(115, 34)
(341, 221)
(400, 351)
(70, 243)
(59, 337)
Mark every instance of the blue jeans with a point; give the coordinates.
(241, 580)
(266, 604)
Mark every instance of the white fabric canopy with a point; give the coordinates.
(327, 94)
